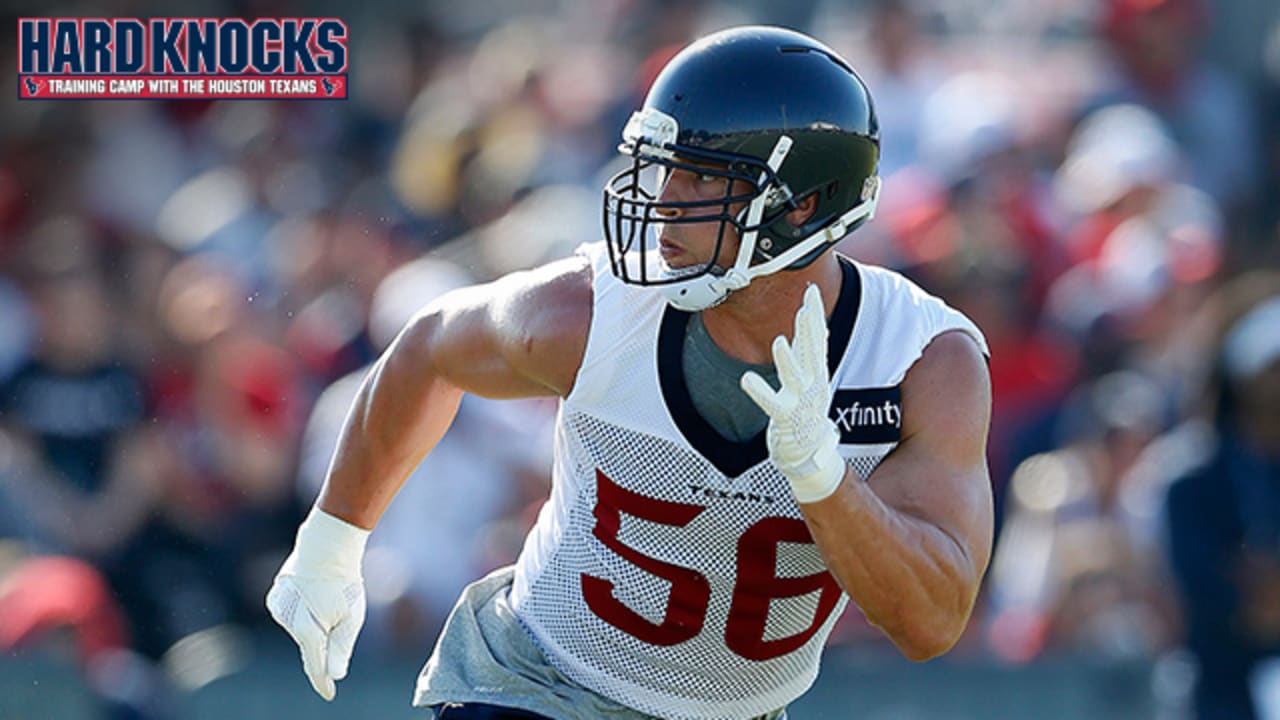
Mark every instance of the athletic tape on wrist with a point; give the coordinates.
(327, 544)
(822, 482)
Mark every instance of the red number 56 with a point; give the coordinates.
(686, 611)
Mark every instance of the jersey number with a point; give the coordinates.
(757, 584)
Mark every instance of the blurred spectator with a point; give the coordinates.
(42, 597)
(1145, 252)
(1224, 522)
(1158, 63)
(902, 69)
(228, 446)
(73, 410)
(971, 221)
(192, 496)
(1117, 160)
(446, 524)
(75, 484)
(1076, 570)
(39, 594)
(328, 266)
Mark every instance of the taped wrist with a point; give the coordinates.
(327, 545)
(818, 476)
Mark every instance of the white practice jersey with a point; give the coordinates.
(671, 570)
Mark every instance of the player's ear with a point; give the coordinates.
(804, 210)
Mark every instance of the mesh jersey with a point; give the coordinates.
(671, 570)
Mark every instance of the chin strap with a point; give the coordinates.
(754, 211)
(704, 291)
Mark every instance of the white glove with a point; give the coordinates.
(802, 439)
(318, 596)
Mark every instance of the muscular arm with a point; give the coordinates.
(521, 336)
(910, 546)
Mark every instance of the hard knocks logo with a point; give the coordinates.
(868, 416)
(192, 58)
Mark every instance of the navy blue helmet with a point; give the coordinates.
(769, 107)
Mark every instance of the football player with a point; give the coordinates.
(753, 431)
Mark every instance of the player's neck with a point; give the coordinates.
(745, 324)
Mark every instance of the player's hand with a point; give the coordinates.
(802, 439)
(318, 597)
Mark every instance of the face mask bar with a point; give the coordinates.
(633, 216)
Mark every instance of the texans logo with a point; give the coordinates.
(33, 86)
(331, 86)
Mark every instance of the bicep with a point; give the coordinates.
(938, 473)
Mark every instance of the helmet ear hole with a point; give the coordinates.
(804, 210)
(832, 189)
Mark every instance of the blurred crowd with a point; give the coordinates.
(190, 293)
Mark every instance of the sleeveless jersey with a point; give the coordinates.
(670, 569)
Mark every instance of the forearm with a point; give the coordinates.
(910, 578)
(401, 412)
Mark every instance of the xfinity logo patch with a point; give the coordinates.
(868, 416)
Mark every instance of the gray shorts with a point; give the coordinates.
(484, 655)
